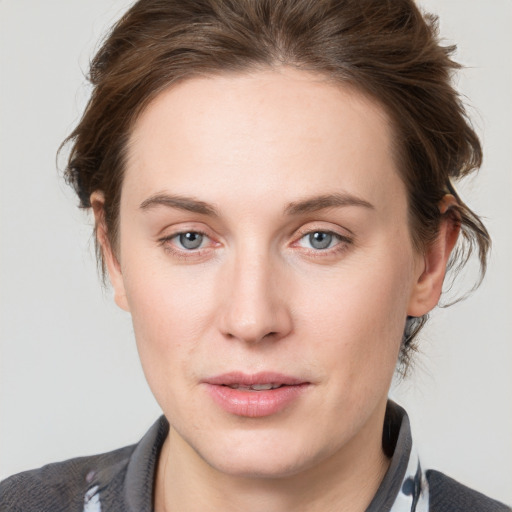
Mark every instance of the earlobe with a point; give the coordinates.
(109, 257)
(429, 282)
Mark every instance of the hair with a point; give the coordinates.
(387, 49)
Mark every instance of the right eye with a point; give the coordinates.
(188, 240)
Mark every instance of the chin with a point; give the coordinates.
(245, 466)
(264, 455)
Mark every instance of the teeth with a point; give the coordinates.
(255, 387)
(261, 387)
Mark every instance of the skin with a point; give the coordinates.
(258, 296)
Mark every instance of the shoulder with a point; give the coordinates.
(62, 485)
(448, 495)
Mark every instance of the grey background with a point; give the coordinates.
(70, 380)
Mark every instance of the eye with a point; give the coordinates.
(188, 241)
(320, 240)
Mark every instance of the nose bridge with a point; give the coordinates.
(255, 307)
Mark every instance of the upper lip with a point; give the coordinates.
(245, 379)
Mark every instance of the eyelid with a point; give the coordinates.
(348, 236)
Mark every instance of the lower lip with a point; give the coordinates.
(255, 404)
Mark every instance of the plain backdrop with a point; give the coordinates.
(70, 380)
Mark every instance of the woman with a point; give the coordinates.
(271, 183)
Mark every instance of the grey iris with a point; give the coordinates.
(320, 240)
(191, 240)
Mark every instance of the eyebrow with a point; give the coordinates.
(308, 205)
(181, 203)
(323, 202)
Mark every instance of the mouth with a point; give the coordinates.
(256, 387)
(255, 395)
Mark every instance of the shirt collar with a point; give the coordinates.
(404, 487)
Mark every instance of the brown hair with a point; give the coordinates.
(385, 48)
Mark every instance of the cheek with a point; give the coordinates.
(356, 317)
(163, 306)
(173, 312)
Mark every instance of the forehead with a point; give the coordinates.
(250, 134)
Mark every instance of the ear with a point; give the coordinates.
(432, 268)
(109, 257)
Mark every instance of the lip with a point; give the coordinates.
(254, 404)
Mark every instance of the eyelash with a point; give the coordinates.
(342, 243)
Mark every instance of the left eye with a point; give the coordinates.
(190, 240)
(319, 240)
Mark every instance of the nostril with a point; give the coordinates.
(254, 320)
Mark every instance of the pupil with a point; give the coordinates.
(191, 240)
(320, 240)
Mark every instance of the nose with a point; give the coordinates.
(254, 304)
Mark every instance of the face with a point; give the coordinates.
(265, 257)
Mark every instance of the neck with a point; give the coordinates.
(346, 481)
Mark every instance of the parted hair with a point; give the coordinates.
(387, 49)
